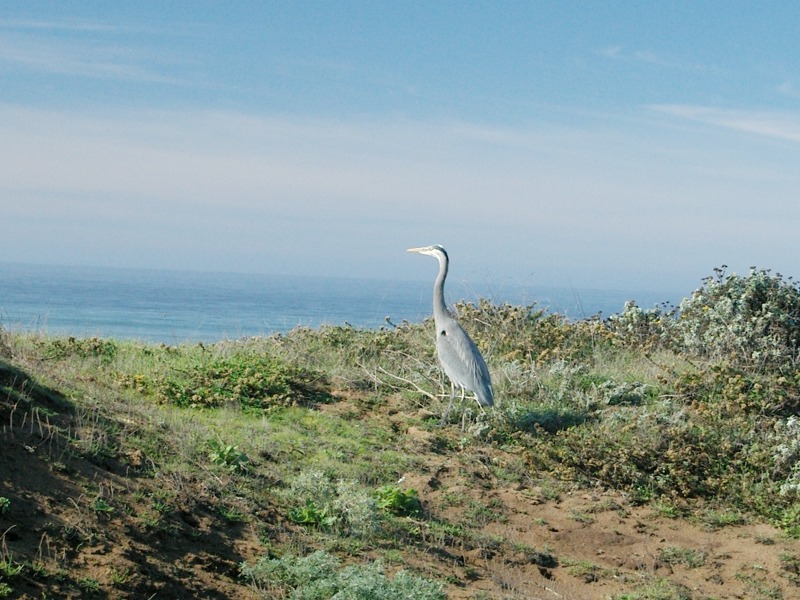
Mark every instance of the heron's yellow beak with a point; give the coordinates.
(415, 249)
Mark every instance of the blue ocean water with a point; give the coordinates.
(181, 306)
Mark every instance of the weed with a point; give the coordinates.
(402, 503)
(659, 589)
(581, 517)
(480, 514)
(786, 441)
(717, 519)
(643, 328)
(5, 505)
(669, 509)
(227, 456)
(101, 506)
(89, 584)
(310, 514)
(344, 506)
(689, 557)
(8, 568)
(790, 567)
(759, 583)
(119, 577)
(588, 571)
(231, 514)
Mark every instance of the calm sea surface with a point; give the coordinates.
(180, 306)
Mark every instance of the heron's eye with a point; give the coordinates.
(444, 332)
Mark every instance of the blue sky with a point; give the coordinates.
(633, 145)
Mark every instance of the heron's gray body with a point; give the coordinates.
(460, 358)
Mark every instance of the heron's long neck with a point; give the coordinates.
(439, 307)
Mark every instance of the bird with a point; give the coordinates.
(460, 358)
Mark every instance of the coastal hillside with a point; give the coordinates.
(649, 455)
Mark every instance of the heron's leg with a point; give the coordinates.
(449, 404)
(480, 406)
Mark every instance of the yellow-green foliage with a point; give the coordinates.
(252, 380)
(525, 333)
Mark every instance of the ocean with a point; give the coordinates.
(173, 307)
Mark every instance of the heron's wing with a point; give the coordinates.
(463, 362)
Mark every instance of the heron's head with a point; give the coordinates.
(435, 250)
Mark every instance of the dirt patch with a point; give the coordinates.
(586, 545)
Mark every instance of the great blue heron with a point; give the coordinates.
(460, 358)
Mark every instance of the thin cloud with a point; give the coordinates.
(647, 57)
(83, 49)
(653, 58)
(787, 88)
(81, 60)
(612, 52)
(70, 25)
(781, 125)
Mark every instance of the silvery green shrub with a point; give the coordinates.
(751, 320)
(787, 455)
(346, 506)
(320, 576)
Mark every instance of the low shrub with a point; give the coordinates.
(751, 320)
(663, 450)
(642, 328)
(525, 333)
(62, 348)
(320, 576)
(249, 379)
(344, 506)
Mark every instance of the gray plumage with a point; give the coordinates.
(460, 358)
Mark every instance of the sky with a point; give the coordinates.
(627, 145)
